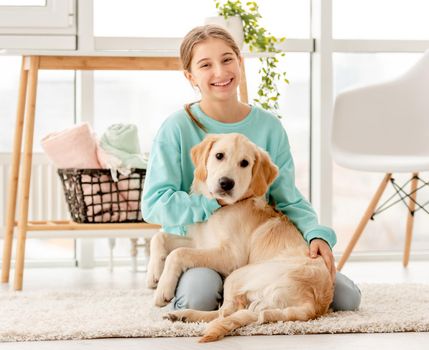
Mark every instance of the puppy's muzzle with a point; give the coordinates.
(226, 184)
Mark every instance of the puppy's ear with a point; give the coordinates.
(264, 173)
(199, 155)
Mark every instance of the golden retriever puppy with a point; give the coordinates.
(270, 276)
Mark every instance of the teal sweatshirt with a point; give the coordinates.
(166, 198)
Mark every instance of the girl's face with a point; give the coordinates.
(215, 69)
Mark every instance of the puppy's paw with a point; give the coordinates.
(210, 337)
(154, 271)
(175, 316)
(163, 296)
(264, 317)
(160, 300)
(166, 288)
(151, 280)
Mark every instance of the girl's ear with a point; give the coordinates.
(199, 155)
(188, 75)
(264, 173)
(240, 59)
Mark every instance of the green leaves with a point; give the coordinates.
(259, 40)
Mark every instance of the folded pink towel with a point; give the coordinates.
(75, 147)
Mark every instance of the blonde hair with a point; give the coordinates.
(194, 37)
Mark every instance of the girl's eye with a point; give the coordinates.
(227, 59)
(244, 163)
(219, 156)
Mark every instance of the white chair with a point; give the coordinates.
(385, 128)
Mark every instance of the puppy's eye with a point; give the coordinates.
(219, 156)
(244, 163)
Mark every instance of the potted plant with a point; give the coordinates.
(234, 25)
(258, 39)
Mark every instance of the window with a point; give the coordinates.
(147, 98)
(381, 19)
(144, 98)
(55, 101)
(36, 24)
(294, 109)
(9, 71)
(134, 18)
(55, 111)
(22, 2)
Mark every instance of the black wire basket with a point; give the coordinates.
(94, 197)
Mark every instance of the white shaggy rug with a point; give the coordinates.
(81, 314)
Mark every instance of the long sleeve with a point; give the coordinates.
(291, 202)
(165, 201)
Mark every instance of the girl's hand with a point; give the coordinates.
(320, 247)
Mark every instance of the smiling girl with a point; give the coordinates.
(211, 62)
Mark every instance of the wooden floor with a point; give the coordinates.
(374, 272)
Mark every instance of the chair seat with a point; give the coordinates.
(382, 163)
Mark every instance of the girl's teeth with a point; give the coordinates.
(222, 84)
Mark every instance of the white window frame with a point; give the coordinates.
(49, 27)
(321, 47)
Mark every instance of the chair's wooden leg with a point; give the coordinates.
(410, 220)
(14, 174)
(26, 172)
(368, 213)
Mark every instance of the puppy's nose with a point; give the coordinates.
(226, 183)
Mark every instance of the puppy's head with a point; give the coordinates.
(229, 167)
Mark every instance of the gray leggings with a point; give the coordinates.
(201, 289)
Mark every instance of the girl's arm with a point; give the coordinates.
(164, 202)
(291, 202)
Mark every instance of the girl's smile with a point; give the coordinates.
(224, 83)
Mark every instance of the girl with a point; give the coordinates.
(211, 61)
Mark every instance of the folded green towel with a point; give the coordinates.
(122, 142)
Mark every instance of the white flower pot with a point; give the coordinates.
(234, 25)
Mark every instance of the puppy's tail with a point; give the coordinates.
(220, 327)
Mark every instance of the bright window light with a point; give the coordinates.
(22, 2)
(135, 18)
(380, 19)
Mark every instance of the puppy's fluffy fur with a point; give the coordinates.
(270, 276)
